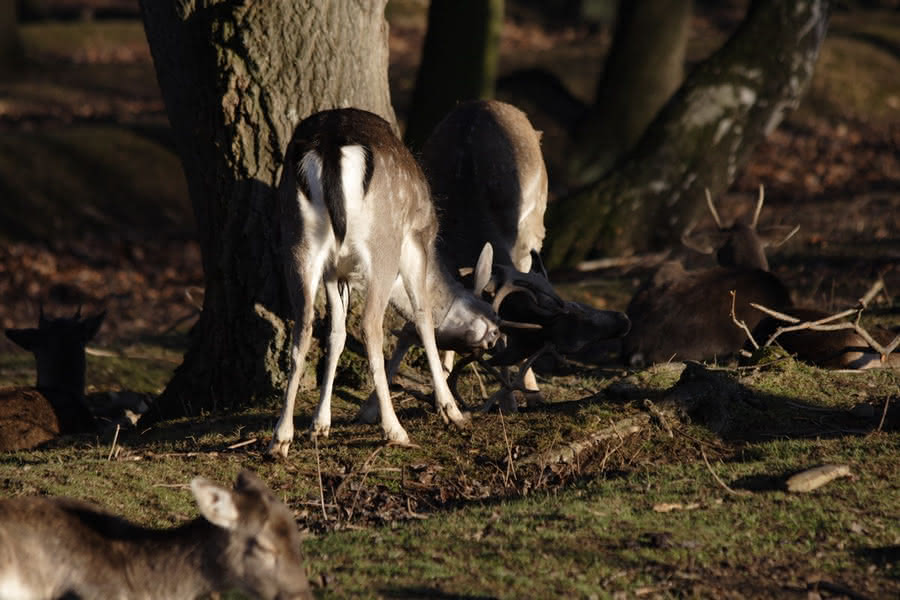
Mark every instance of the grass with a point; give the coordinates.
(451, 518)
(446, 519)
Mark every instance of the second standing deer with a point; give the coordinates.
(356, 210)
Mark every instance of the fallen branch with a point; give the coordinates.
(811, 479)
(569, 453)
(827, 323)
(719, 481)
(741, 323)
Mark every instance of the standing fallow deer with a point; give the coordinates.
(356, 210)
(489, 183)
(32, 416)
(246, 539)
(686, 314)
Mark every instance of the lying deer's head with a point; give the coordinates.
(58, 346)
(262, 557)
(739, 245)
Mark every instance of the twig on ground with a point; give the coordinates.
(741, 323)
(826, 323)
(237, 445)
(719, 481)
(367, 464)
(568, 453)
(113, 447)
(887, 402)
(510, 464)
(319, 473)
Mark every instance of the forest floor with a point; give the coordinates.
(659, 506)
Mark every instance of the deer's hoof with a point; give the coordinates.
(319, 430)
(397, 437)
(278, 450)
(459, 419)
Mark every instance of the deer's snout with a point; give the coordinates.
(483, 334)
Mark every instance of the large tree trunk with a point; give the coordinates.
(12, 55)
(459, 62)
(699, 140)
(236, 78)
(644, 67)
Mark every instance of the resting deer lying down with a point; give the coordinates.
(356, 210)
(686, 315)
(489, 183)
(246, 539)
(31, 416)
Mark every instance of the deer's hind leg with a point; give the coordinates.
(302, 280)
(377, 296)
(338, 295)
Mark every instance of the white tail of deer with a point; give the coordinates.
(356, 210)
(246, 539)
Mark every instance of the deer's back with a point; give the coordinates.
(27, 419)
(488, 179)
(839, 349)
(687, 316)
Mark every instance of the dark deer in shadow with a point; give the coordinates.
(246, 539)
(685, 314)
(31, 416)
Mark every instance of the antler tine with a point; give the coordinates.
(508, 288)
(712, 209)
(788, 236)
(518, 324)
(759, 205)
(688, 242)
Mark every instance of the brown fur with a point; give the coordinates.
(61, 548)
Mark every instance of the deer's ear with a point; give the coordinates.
(24, 338)
(216, 503)
(483, 268)
(537, 265)
(91, 325)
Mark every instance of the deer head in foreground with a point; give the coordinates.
(356, 210)
(32, 416)
(686, 315)
(246, 539)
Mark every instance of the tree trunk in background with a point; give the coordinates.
(459, 62)
(12, 54)
(700, 139)
(236, 78)
(644, 67)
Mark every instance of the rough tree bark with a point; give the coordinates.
(700, 138)
(459, 62)
(644, 67)
(12, 54)
(236, 78)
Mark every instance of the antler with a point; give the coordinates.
(712, 209)
(688, 242)
(759, 205)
